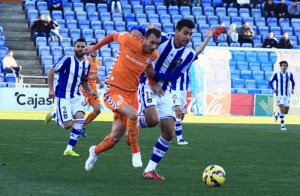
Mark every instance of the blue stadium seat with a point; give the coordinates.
(289, 30)
(254, 91)
(78, 7)
(197, 11)
(237, 20)
(99, 34)
(129, 17)
(126, 9)
(61, 23)
(251, 56)
(246, 74)
(293, 39)
(65, 42)
(108, 25)
(241, 65)
(263, 31)
(68, 50)
(42, 6)
(40, 41)
(255, 13)
(141, 18)
(213, 20)
(235, 74)
(120, 26)
(258, 75)
(238, 83)
(117, 17)
(268, 75)
(135, 2)
(201, 20)
(105, 52)
(272, 22)
(191, 17)
(196, 37)
(108, 62)
(284, 22)
(223, 44)
(46, 13)
(150, 9)
(295, 22)
(32, 14)
(225, 19)
(220, 11)
(105, 16)
(54, 43)
(44, 51)
(75, 33)
(256, 39)
(47, 68)
(165, 19)
(176, 18)
(47, 60)
(2, 41)
(273, 57)
(2, 80)
(84, 24)
(244, 12)
(138, 9)
(173, 10)
(196, 45)
(153, 18)
(90, 40)
(57, 51)
(206, 3)
(1, 30)
(209, 11)
(232, 65)
(263, 57)
(130, 25)
(72, 24)
(266, 92)
(161, 10)
(114, 45)
(110, 32)
(158, 2)
(254, 66)
(250, 20)
(185, 10)
(69, 15)
(90, 7)
(30, 5)
(93, 16)
(67, 6)
(258, 45)
(157, 25)
(211, 43)
(276, 31)
(217, 3)
(232, 12)
(235, 45)
(102, 8)
(96, 25)
(203, 28)
(247, 45)
(262, 84)
(80, 16)
(168, 28)
(64, 32)
(250, 84)
(11, 79)
(87, 33)
(239, 56)
(260, 22)
(266, 66)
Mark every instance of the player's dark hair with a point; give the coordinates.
(283, 62)
(93, 43)
(153, 31)
(80, 40)
(185, 23)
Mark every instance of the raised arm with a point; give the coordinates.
(208, 36)
(106, 40)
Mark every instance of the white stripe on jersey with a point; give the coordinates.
(282, 83)
(182, 83)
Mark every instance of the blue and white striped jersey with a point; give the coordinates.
(171, 61)
(71, 73)
(182, 83)
(282, 83)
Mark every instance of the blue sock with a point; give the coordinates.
(76, 131)
(159, 151)
(142, 122)
(178, 129)
(281, 115)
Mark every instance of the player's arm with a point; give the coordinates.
(209, 34)
(87, 88)
(293, 83)
(50, 82)
(106, 40)
(273, 78)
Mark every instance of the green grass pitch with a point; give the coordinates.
(259, 159)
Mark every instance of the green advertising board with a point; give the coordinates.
(264, 105)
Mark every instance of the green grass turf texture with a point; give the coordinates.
(258, 160)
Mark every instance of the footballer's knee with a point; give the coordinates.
(152, 121)
(133, 115)
(68, 125)
(97, 110)
(167, 135)
(115, 137)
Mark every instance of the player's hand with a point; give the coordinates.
(88, 49)
(136, 33)
(292, 91)
(101, 85)
(150, 72)
(158, 90)
(51, 94)
(210, 32)
(275, 90)
(95, 95)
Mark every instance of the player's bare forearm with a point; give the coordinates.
(50, 82)
(86, 87)
(209, 34)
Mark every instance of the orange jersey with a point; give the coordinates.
(131, 63)
(93, 72)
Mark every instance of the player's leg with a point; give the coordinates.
(281, 116)
(108, 142)
(276, 114)
(56, 112)
(178, 125)
(96, 111)
(286, 110)
(150, 117)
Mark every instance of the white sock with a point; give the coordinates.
(69, 147)
(151, 166)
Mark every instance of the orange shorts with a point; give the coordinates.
(90, 100)
(115, 98)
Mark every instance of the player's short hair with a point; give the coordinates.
(185, 23)
(93, 43)
(80, 40)
(153, 31)
(283, 62)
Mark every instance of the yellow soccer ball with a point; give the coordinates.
(214, 175)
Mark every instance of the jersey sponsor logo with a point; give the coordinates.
(135, 61)
(120, 102)
(132, 51)
(34, 101)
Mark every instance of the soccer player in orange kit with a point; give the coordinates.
(120, 94)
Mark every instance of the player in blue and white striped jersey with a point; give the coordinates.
(73, 70)
(282, 90)
(179, 90)
(175, 58)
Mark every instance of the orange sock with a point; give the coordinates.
(90, 118)
(106, 144)
(132, 128)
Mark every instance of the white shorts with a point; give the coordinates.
(164, 104)
(179, 99)
(283, 101)
(67, 108)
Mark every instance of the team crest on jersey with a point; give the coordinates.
(149, 100)
(178, 61)
(149, 60)
(112, 78)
